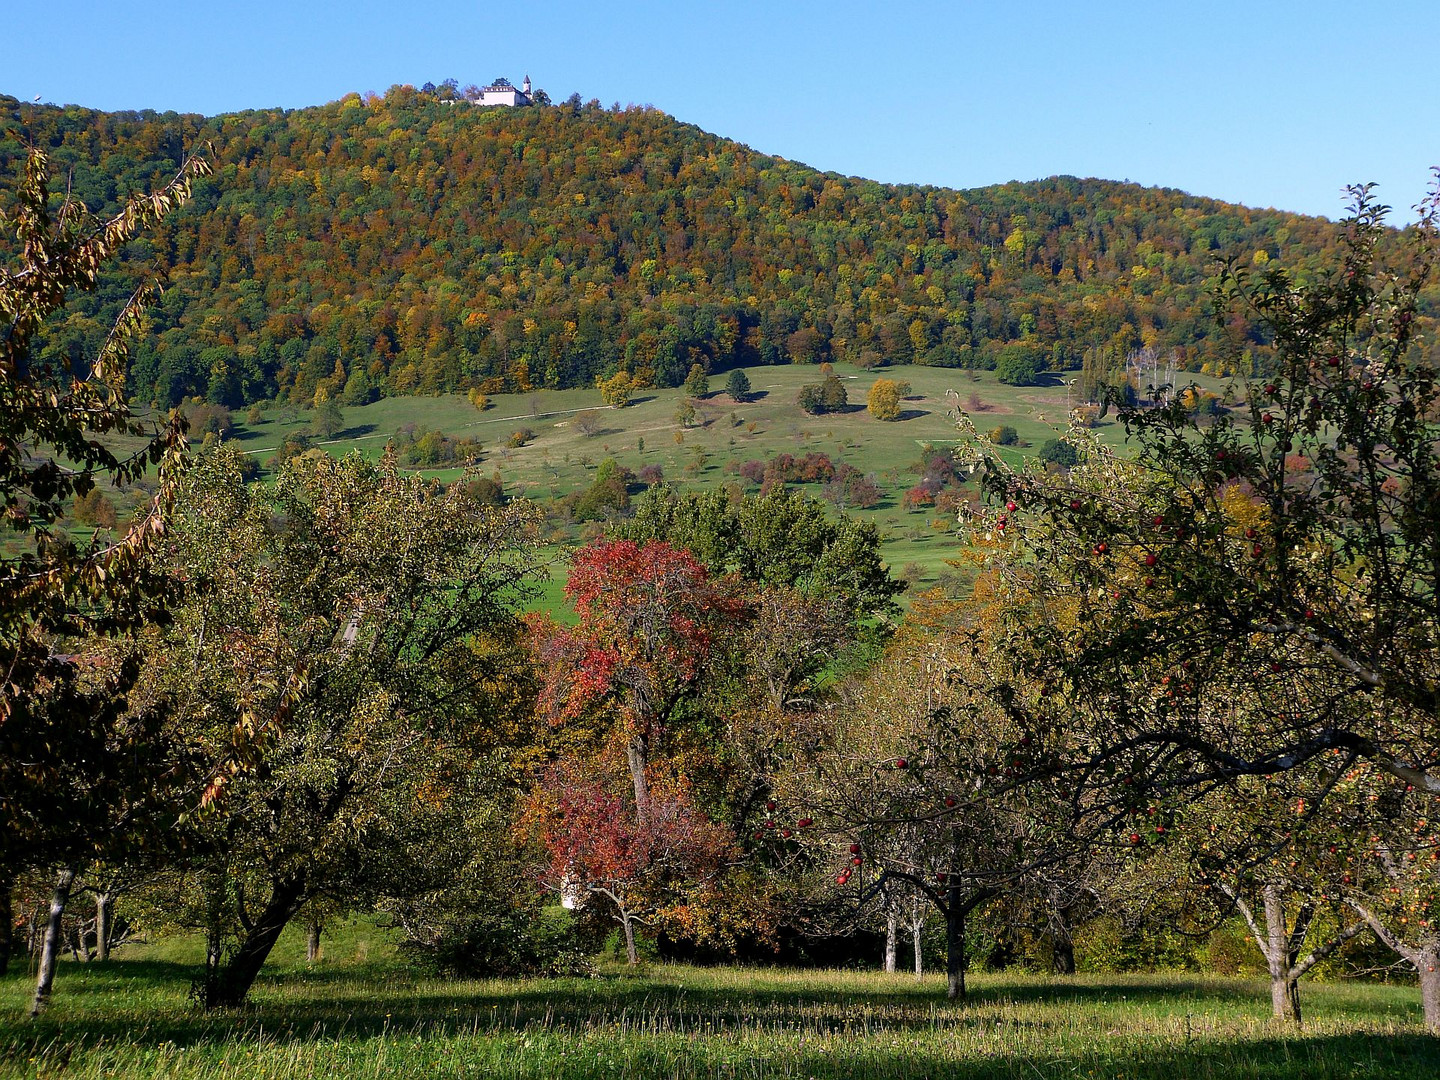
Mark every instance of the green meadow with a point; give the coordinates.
(560, 457)
(360, 1011)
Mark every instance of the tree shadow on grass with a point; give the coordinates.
(297, 1006)
(354, 432)
(1392, 1056)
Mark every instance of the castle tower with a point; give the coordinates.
(525, 86)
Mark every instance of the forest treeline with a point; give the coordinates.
(404, 244)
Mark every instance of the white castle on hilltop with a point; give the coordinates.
(502, 93)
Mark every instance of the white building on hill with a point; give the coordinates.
(502, 93)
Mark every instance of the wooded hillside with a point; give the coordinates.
(408, 245)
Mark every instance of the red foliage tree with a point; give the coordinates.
(597, 843)
(649, 618)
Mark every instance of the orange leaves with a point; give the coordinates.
(648, 617)
(594, 837)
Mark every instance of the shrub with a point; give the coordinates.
(520, 437)
(608, 495)
(850, 488)
(1057, 452)
(1004, 435)
(1200, 402)
(811, 468)
(432, 449)
(1019, 365)
(484, 490)
(293, 446)
(919, 496)
(505, 943)
(825, 396)
(95, 509)
(205, 419)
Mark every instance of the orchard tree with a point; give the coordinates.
(616, 390)
(697, 383)
(650, 615)
(1384, 862)
(776, 538)
(789, 642)
(340, 657)
(883, 400)
(1260, 850)
(826, 396)
(67, 744)
(1279, 555)
(644, 859)
(908, 781)
(1286, 546)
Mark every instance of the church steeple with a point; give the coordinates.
(525, 86)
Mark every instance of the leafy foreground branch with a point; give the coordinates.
(1255, 594)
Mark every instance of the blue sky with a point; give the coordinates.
(1270, 102)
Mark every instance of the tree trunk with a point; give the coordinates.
(635, 755)
(1064, 950)
(1062, 942)
(50, 951)
(955, 948)
(1285, 997)
(1428, 965)
(1284, 989)
(312, 942)
(232, 982)
(891, 925)
(915, 928)
(104, 919)
(7, 922)
(631, 956)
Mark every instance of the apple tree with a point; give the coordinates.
(1249, 592)
(1290, 536)
(338, 658)
(910, 780)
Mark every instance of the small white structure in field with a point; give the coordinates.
(502, 93)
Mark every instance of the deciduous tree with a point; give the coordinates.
(58, 419)
(644, 858)
(326, 658)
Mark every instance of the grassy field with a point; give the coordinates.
(361, 1012)
(561, 458)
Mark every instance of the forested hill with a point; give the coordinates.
(406, 245)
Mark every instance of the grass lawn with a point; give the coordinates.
(361, 1012)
